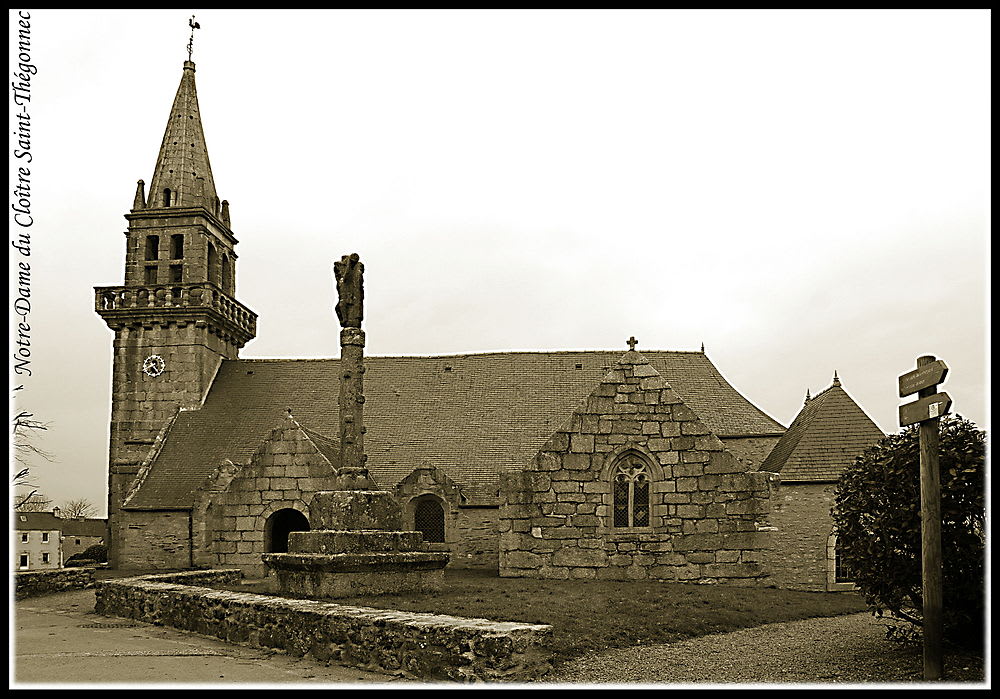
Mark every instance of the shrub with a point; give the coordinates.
(877, 520)
(98, 553)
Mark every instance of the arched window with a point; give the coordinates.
(630, 492)
(279, 525)
(428, 519)
(213, 263)
(225, 274)
(166, 196)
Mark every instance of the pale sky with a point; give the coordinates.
(803, 192)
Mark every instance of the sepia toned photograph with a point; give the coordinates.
(499, 348)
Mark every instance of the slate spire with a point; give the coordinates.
(183, 175)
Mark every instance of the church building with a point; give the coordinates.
(589, 464)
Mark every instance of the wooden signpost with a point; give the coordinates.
(927, 412)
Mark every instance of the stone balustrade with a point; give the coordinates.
(110, 299)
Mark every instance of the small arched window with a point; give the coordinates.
(428, 519)
(630, 492)
(213, 263)
(166, 196)
(226, 274)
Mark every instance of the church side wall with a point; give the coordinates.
(478, 544)
(155, 540)
(799, 559)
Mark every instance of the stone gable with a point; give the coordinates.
(634, 486)
(232, 508)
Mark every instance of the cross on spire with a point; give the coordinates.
(194, 25)
(632, 342)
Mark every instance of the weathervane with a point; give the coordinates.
(194, 25)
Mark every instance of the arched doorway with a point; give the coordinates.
(279, 525)
(428, 518)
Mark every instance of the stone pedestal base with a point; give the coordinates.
(328, 576)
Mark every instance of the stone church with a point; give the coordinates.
(568, 464)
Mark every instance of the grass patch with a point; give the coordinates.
(591, 615)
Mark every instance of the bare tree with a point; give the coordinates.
(81, 507)
(26, 430)
(33, 502)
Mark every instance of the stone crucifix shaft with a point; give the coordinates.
(350, 291)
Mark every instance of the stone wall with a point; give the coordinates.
(419, 646)
(706, 519)
(232, 509)
(751, 451)
(152, 540)
(43, 582)
(801, 558)
(478, 540)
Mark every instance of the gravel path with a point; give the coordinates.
(846, 649)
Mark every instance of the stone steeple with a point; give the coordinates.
(183, 174)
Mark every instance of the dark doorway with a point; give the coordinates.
(428, 518)
(278, 526)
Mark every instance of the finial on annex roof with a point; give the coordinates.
(190, 47)
(836, 381)
(808, 398)
(631, 342)
(703, 348)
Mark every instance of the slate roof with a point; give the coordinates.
(827, 435)
(473, 416)
(46, 521)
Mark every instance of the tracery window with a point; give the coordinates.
(842, 572)
(630, 492)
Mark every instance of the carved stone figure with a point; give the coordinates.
(350, 290)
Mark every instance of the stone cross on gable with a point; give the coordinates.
(632, 342)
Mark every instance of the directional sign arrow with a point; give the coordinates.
(924, 377)
(924, 409)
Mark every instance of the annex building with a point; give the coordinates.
(589, 464)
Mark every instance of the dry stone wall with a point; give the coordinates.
(43, 582)
(419, 646)
(707, 516)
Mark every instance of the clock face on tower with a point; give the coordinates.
(153, 365)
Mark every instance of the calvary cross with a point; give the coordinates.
(632, 342)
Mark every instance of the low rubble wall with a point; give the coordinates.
(43, 582)
(418, 646)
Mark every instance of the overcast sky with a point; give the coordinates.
(803, 192)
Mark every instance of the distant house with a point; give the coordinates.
(43, 541)
(38, 541)
(827, 435)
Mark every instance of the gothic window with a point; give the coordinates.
(428, 519)
(166, 197)
(226, 276)
(177, 246)
(630, 492)
(152, 247)
(151, 275)
(842, 573)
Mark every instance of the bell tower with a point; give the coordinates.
(176, 316)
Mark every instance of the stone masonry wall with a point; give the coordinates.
(157, 539)
(230, 517)
(751, 451)
(43, 582)
(708, 516)
(478, 543)
(800, 559)
(420, 646)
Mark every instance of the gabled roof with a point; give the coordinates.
(827, 435)
(472, 416)
(84, 527)
(36, 521)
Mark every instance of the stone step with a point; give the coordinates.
(356, 541)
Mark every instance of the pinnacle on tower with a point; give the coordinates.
(183, 174)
